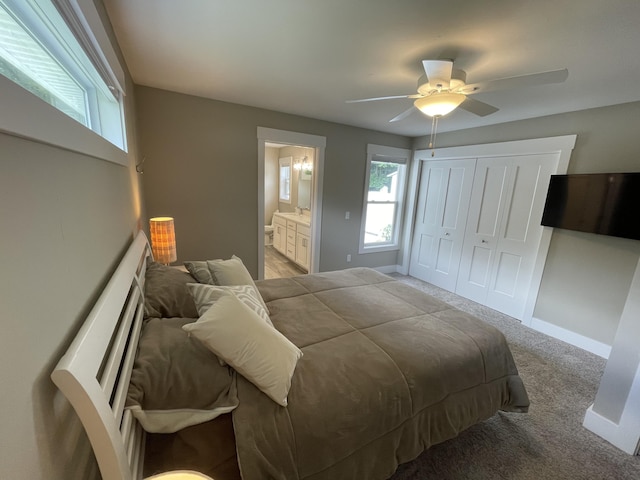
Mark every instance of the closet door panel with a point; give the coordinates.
(443, 201)
(489, 197)
(425, 233)
(479, 269)
(505, 283)
(481, 236)
(520, 232)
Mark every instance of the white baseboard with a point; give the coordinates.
(590, 345)
(613, 433)
(388, 269)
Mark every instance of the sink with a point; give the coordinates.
(305, 219)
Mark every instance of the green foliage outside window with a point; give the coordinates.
(386, 233)
(379, 175)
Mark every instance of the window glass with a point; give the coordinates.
(382, 202)
(40, 52)
(285, 179)
(384, 195)
(27, 63)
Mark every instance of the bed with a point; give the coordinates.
(378, 372)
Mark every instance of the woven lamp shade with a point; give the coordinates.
(163, 240)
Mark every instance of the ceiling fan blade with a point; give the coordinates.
(534, 79)
(477, 107)
(403, 115)
(438, 72)
(378, 98)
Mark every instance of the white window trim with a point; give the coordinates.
(85, 13)
(374, 152)
(25, 115)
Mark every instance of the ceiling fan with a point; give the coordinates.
(443, 89)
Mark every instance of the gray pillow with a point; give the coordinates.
(223, 273)
(200, 271)
(166, 294)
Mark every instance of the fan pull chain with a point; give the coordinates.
(434, 131)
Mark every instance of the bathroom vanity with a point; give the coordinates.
(292, 237)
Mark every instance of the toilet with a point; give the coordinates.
(268, 234)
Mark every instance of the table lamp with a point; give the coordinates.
(163, 240)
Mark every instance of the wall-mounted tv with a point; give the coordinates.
(603, 203)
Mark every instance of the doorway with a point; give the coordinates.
(297, 146)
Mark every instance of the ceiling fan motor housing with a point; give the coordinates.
(458, 80)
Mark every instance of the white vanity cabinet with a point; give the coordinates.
(303, 252)
(292, 237)
(280, 234)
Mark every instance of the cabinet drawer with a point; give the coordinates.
(279, 221)
(291, 225)
(291, 250)
(304, 229)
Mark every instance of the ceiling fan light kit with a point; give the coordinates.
(439, 104)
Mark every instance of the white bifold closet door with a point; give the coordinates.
(477, 229)
(503, 230)
(443, 203)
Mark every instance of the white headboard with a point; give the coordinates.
(95, 371)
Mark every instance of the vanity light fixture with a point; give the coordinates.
(304, 165)
(163, 239)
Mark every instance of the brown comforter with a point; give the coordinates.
(387, 372)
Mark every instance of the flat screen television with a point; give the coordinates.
(602, 203)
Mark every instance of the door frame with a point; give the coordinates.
(286, 137)
(561, 145)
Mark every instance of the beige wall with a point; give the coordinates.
(587, 277)
(66, 220)
(202, 164)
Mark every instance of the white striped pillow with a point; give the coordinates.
(206, 295)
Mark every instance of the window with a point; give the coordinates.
(284, 183)
(385, 182)
(46, 49)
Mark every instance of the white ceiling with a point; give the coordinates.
(307, 57)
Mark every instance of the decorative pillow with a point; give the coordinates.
(206, 295)
(254, 349)
(200, 271)
(223, 273)
(176, 382)
(230, 272)
(166, 293)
